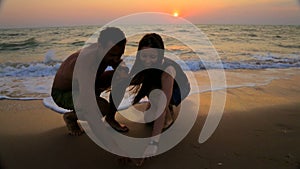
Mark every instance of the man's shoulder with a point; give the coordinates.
(72, 58)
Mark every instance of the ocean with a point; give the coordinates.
(30, 57)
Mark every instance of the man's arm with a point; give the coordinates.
(64, 75)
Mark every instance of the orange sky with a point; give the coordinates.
(26, 13)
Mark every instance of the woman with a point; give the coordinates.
(152, 70)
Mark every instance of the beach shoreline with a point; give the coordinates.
(259, 129)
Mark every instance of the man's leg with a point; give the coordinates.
(109, 108)
(64, 99)
(110, 117)
(70, 119)
(103, 105)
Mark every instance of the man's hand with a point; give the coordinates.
(122, 73)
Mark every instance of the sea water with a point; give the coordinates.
(30, 57)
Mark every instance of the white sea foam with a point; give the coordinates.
(49, 68)
(48, 102)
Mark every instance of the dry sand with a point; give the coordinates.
(260, 129)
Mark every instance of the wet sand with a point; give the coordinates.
(260, 128)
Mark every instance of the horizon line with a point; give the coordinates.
(100, 25)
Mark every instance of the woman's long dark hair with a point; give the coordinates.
(146, 80)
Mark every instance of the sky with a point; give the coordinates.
(36, 13)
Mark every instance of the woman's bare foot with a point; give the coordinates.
(70, 119)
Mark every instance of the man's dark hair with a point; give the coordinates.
(112, 34)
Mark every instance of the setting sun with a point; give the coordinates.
(175, 14)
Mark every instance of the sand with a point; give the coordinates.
(260, 128)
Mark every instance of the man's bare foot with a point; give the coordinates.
(117, 126)
(70, 119)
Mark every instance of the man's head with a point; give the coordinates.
(112, 35)
(112, 41)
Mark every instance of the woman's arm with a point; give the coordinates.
(167, 81)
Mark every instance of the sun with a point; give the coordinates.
(175, 14)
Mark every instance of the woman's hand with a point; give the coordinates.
(150, 151)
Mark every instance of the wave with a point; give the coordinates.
(49, 67)
(289, 46)
(249, 29)
(18, 98)
(257, 62)
(78, 43)
(252, 35)
(158, 30)
(12, 34)
(183, 30)
(225, 29)
(277, 37)
(132, 44)
(35, 69)
(28, 43)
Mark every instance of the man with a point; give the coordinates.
(111, 45)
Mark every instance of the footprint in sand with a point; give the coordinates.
(284, 128)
